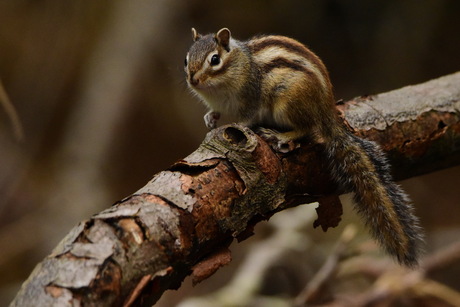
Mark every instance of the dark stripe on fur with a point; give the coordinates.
(283, 62)
(292, 46)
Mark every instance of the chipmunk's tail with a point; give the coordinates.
(360, 166)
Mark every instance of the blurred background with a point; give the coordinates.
(99, 89)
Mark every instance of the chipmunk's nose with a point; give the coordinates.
(194, 80)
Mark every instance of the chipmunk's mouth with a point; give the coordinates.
(198, 84)
(199, 81)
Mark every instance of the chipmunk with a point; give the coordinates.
(276, 81)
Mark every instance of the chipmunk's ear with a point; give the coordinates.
(195, 35)
(223, 38)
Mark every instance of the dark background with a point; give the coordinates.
(99, 89)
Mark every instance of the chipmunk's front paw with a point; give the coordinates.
(277, 140)
(210, 119)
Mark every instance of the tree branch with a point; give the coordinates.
(418, 126)
(184, 219)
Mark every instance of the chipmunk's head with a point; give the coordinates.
(208, 63)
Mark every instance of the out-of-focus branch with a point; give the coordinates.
(183, 220)
(133, 29)
(319, 282)
(8, 106)
(392, 285)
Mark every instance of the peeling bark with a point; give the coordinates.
(184, 219)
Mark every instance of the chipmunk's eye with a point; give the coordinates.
(215, 60)
(185, 61)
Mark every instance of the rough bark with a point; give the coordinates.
(184, 219)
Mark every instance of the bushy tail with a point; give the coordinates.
(360, 166)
